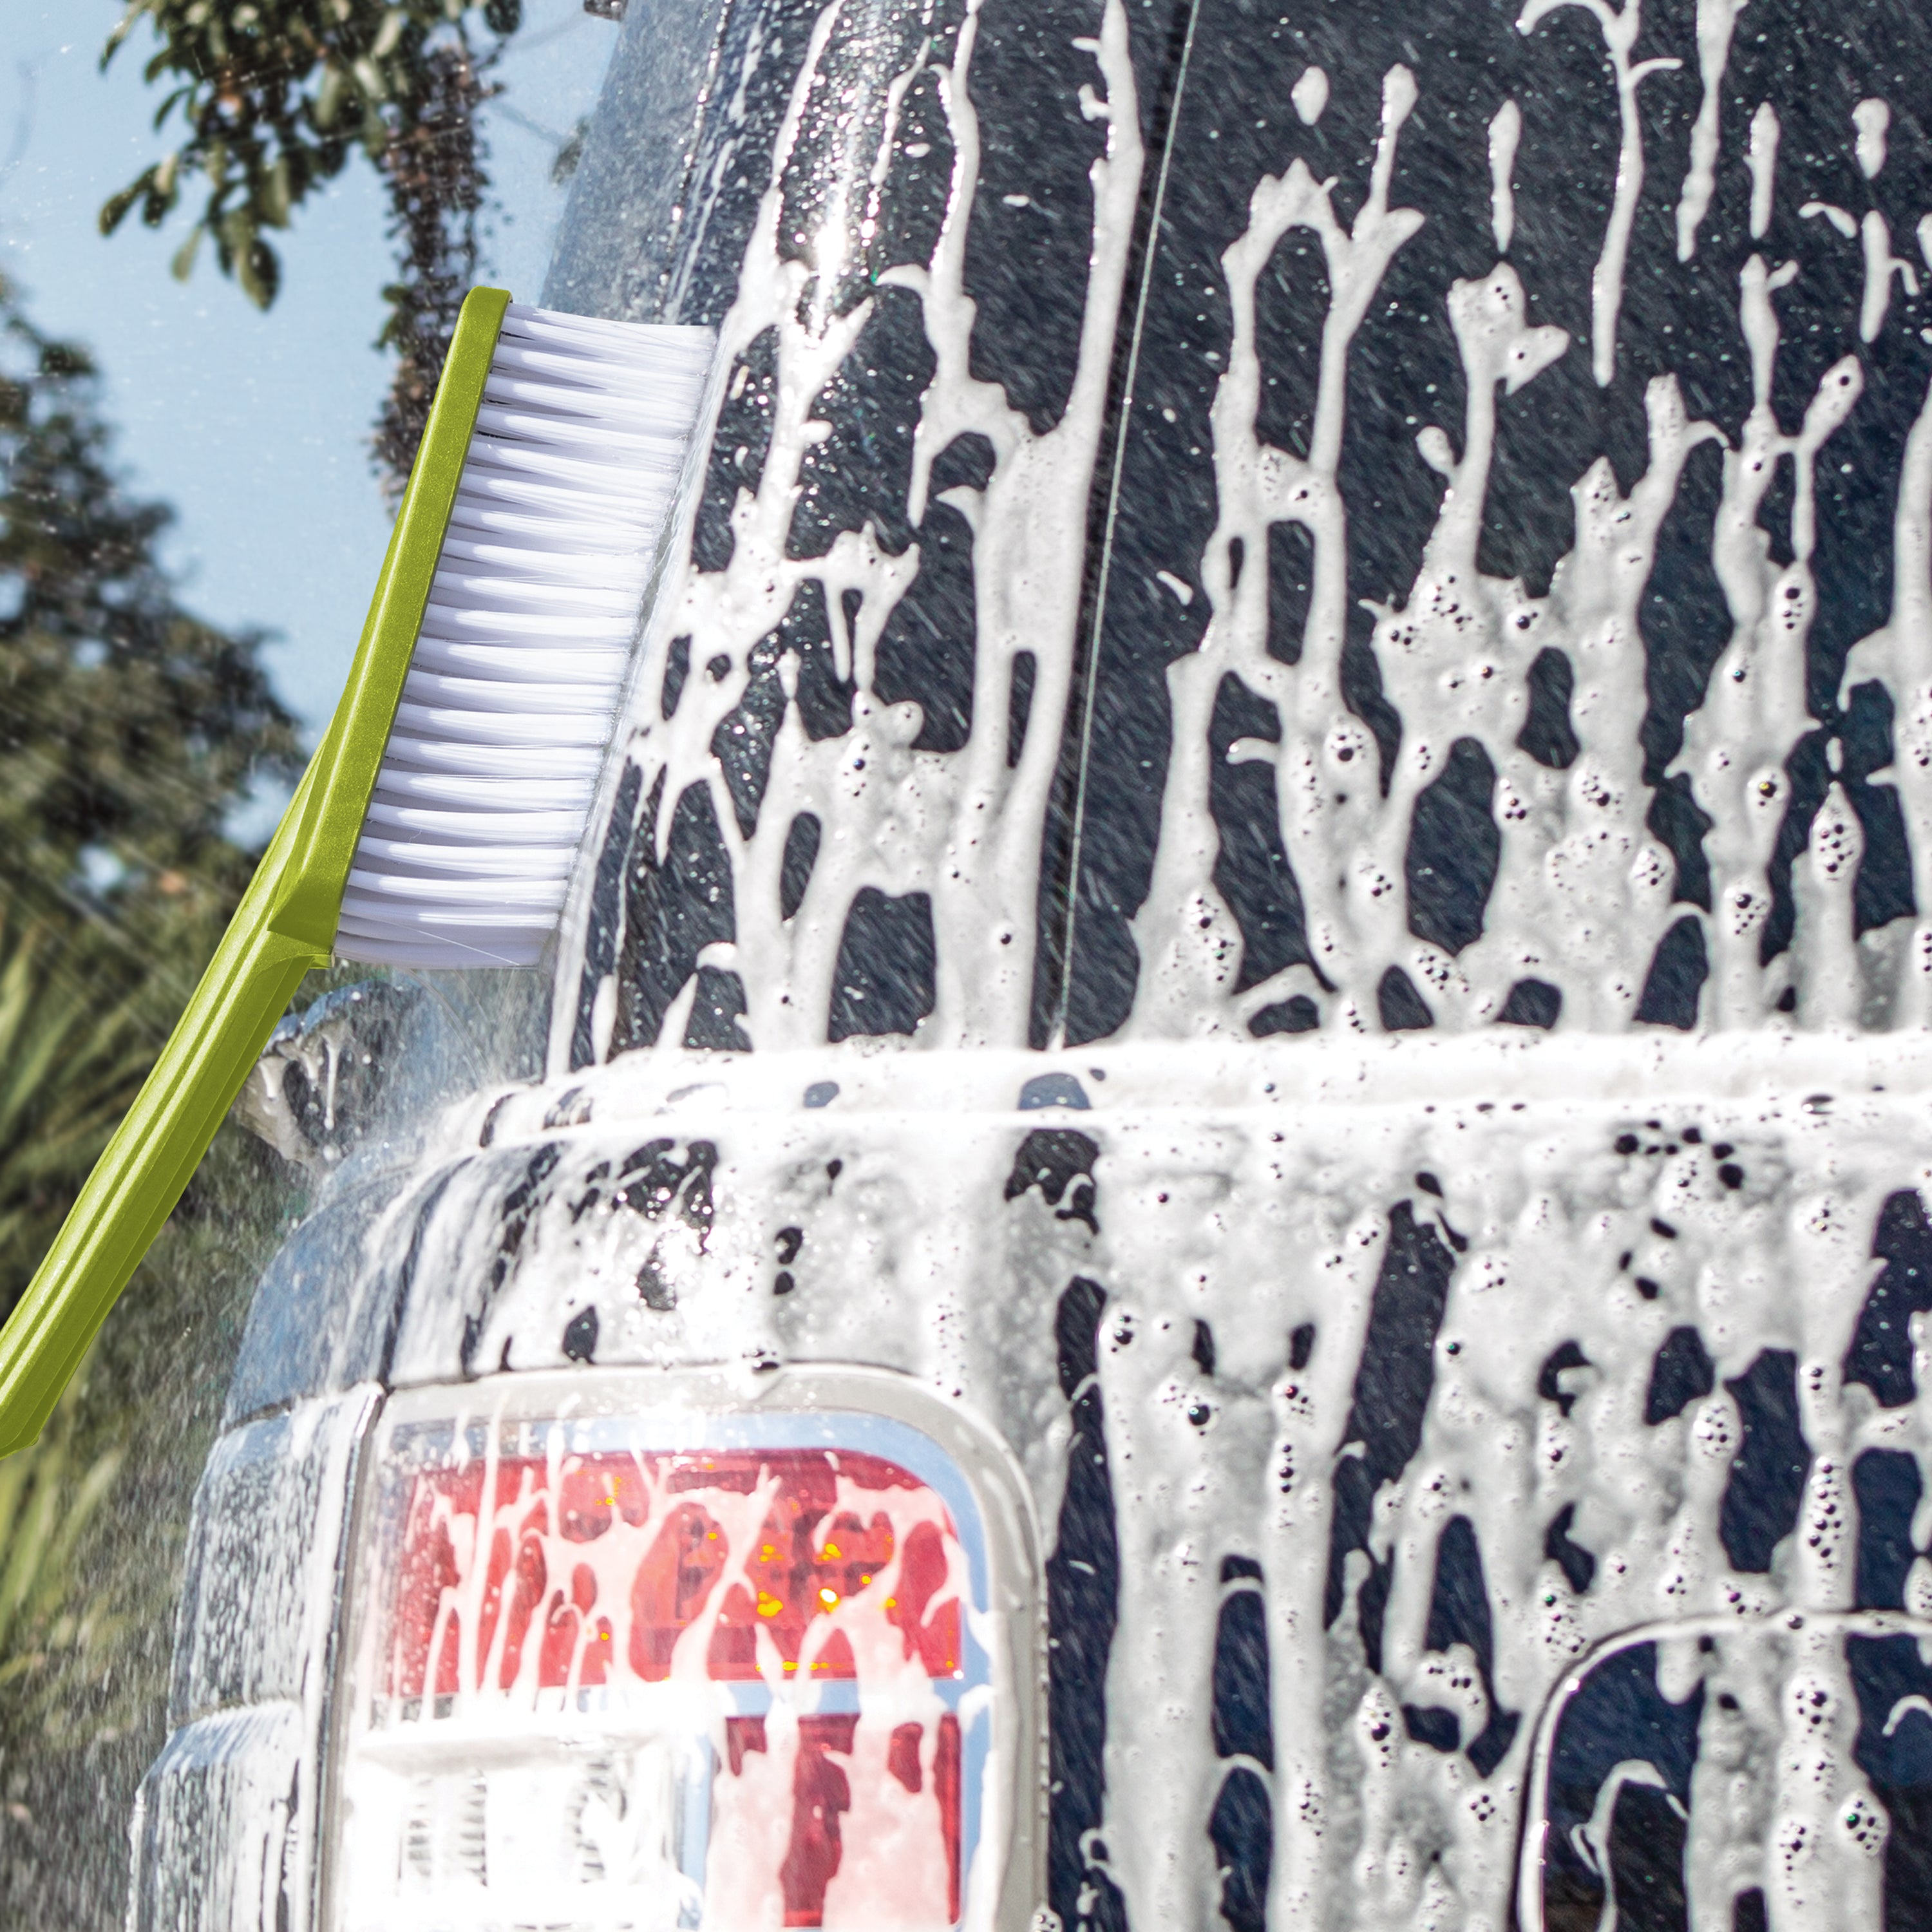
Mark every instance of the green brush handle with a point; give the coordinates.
(285, 924)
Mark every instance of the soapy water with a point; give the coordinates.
(965, 828)
(1816, 1733)
(768, 826)
(1377, 1438)
(1531, 1381)
(1567, 927)
(1381, 1396)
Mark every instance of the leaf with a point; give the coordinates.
(182, 264)
(157, 205)
(32, 1534)
(272, 201)
(259, 272)
(328, 96)
(114, 209)
(73, 1519)
(123, 28)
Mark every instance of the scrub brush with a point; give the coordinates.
(436, 823)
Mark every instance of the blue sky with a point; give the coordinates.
(254, 427)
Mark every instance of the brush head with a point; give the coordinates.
(488, 780)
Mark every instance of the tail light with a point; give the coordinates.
(625, 1653)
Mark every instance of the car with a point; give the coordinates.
(1224, 1220)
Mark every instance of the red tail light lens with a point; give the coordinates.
(669, 1669)
(602, 1565)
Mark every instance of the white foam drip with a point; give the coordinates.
(1873, 119)
(1505, 131)
(1310, 95)
(1761, 160)
(1881, 266)
(1620, 27)
(1716, 22)
(1583, 893)
(1184, 931)
(1587, 1215)
(1754, 711)
(1900, 654)
(965, 827)
(570, 475)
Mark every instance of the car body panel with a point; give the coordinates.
(1271, 837)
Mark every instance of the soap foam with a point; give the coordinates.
(1584, 891)
(1440, 1332)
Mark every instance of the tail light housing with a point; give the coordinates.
(639, 1650)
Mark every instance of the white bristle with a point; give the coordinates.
(487, 782)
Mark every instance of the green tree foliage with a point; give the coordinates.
(69, 1065)
(130, 731)
(274, 97)
(93, 1529)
